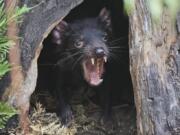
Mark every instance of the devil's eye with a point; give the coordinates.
(79, 44)
(105, 38)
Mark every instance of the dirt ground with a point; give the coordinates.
(87, 119)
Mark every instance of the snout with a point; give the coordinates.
(99, 52)
(94, 66)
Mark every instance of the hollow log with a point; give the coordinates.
(19, 84)
(154, 63)
(155, 71)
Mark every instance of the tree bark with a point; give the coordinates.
(155, 71)
(19, 84)
(154, 63)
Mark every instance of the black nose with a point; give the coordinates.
(99, 52)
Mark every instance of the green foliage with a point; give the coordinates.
(129, 6)
(6, 112)
(4, 68)
(18, 13)
(156, 8)
(5, 18)
(5, 43)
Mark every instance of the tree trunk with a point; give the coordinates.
(154, 59)
(155, 70)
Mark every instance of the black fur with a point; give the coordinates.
(71, 44)
(68, 46)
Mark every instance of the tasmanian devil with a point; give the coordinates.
(82, 51)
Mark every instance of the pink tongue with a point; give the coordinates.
(94, 78)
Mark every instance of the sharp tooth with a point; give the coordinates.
(98, 68)
(100, 81)
(105, 59)
(92, 61)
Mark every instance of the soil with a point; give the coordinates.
(87, 118)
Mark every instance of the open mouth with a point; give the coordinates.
(93, 70)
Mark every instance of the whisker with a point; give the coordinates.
(71, 49)
(115, 58)
(65, 50)
(75, 63)
(117, 47)
(70, 56)
(118, 39)
(117, 43)
(118, 50)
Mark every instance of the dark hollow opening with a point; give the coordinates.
(86, 100)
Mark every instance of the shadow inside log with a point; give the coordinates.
(85, 101)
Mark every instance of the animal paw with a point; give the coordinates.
(106, 120)
(66, 115)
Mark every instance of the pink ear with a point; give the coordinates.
(56, 37)
(61, 26)
(58, 31)
(105, 17)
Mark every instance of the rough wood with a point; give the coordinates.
(36, 25)
(155, 70)
(154, 58)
